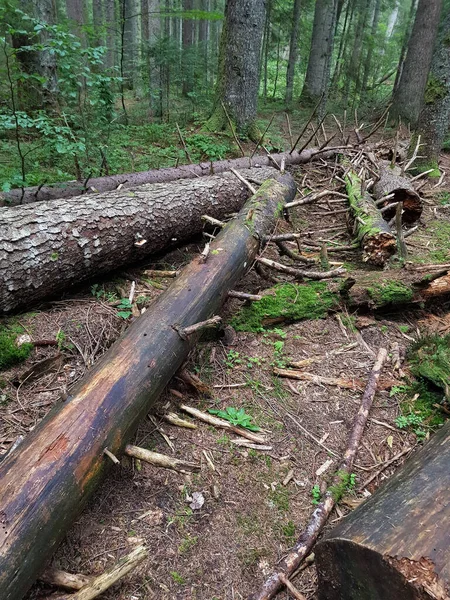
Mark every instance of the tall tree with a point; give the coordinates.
(293, 51)
(188, 33)
(434, 118)
(371, 41)
(353, 71)
(238, 78)
(318, 71)
(409, 24)
(153, 21)
(407, 98)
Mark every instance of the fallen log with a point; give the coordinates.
(49, 246)
(396, 544)
(47, 480)
(128, 180)
(394, 188)
(377, 241)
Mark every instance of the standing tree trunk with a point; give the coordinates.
(318, 72)
(187, 45)
(131, 44)
(434, 117)
(407, 98)
(239, 59)
(354, 66)
(112, 23)
(293, 51)
(154, 62)
(98, 19)
(406, 37)
(348, 19)
(371, 41)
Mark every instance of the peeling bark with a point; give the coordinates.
(391, 182)
(46, 482)
(49, 246)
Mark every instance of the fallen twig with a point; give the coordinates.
(299, 274)
(161, 460)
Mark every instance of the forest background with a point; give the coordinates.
(96, 87)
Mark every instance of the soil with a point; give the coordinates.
(251, 516)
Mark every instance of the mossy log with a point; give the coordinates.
(397, 544)
(47, 480)
(397, 188)
(131, 180)
(49, 246)
(373, 233)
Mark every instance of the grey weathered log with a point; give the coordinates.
(400, 189)
(129, 180)
(397, 544)
(49, 478)
(48, 246)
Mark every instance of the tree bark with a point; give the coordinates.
(371, 43)
(319, 62)
(391, 183)
(401, 60)
(434, 117)
(187, 45)
(49, 246)
(407, 98)
(293, 51)
(239, 59)
(154, 63)
(396, 544)
(127, 180)
(46, 482)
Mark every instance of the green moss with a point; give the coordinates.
(435, 90)
(390, 292)
(430, 360)
(10, 352)
(289, 302)
(54, 256)
(367, 225)
(339, 489)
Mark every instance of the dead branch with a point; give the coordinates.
(161, 460)
(297, 273)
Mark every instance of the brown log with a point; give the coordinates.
(377, 241)
(129, 180)
(400, 189)
(397, 544)
(46, 247)
(46, 482)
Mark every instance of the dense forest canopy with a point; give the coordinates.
(94, 87)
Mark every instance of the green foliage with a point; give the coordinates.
(435, 90)
(187, 544)
(206, 147)
(232, 359)
(10, 353)
(236, 417)
(316, 494)
(389, 292)
(429, 359)
(289, 302)
(124, 309)
(177, 577)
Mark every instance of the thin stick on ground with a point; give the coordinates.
(306, 126)
(261, 139)
(183, 144)
(320, 516)
(291, 141)
(161, 460)
(247, 184)
(313, 134)
(230, 122)
(413, 157)
(103, 582)
(298, 273)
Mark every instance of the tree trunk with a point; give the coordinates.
(371, 42)
(131, 44)
(434, 118)
(46, 482)
(397, 543)
(239, 59)
(187, 45)
(354, 66)
(407, 99)
(154, 63)
(343, 42)
(377, 242)
(112, 23)
(127, 180)
(318, 71)
(401, 60)
(293, 51)
(49, 246)
(392, 183)
(98, 18)
(266, 46)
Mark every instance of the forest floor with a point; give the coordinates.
(252, 511)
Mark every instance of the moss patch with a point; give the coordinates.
(287, 302)
(435, 90)
(10, 352)
(390, 292)
(430, 360)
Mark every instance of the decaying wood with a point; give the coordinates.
(298, 273)
(397, 188)
(308, 538)
(396, 544)
(100, 584)
(155, 273)
(371, 230)
(243, 295)
(174, 419)
(185, 332)
(222, 424)
(47, 481)
(195, 382)
(67, 581)
(161, 460)
(131, 180)
(350, 383)
(46, 247)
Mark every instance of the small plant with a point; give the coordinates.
(187, 543)
(405, 421)
(232, 359)
(124, 309)
(10, 353)
(315, 494)
(236, 417)
(403, 328)
(288, 530)
(254, 361)
(398, 389)
(177, 577)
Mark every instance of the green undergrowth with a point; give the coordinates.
(10, 353)
(439, 233)
(287, 302)
(389, 292)
(429, 359)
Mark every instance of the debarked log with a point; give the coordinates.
(377, 241)
(127, 180)
(395, 188)
(397, 544)
(47, 480)
(46, 247)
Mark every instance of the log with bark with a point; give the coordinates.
(46, 247)
(377, 241)
(397, 544)
(396, 188)
(127, 180)
(47, 480)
